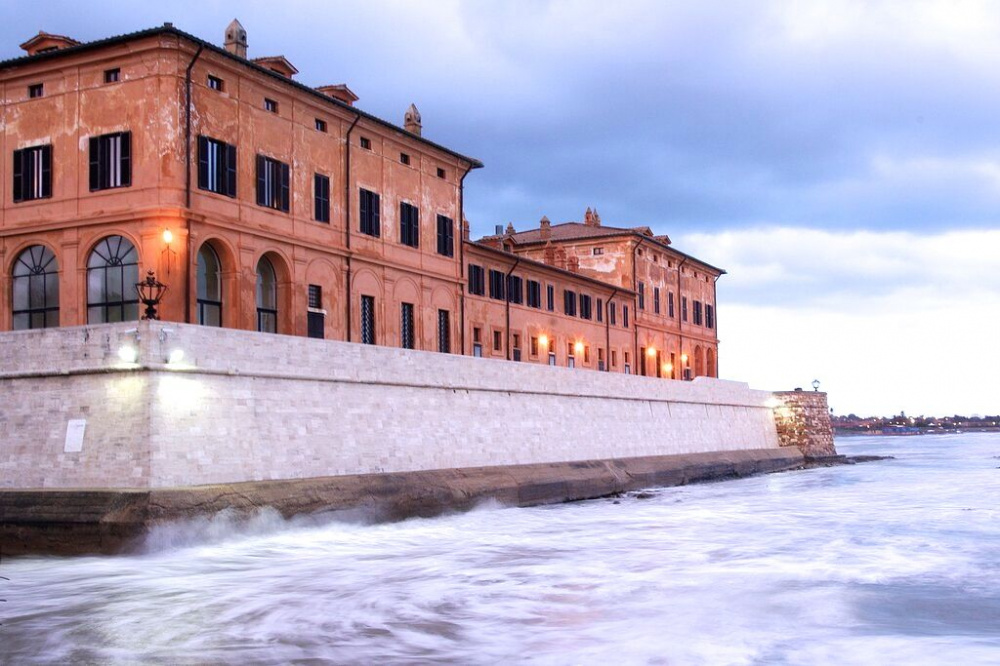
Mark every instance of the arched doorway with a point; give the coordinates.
(36, 289)
(267, 297)
(699, 361)
(209, 287)
(710, 363)
(112, 272)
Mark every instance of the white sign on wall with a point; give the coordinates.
(74, 435)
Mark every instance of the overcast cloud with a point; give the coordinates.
(840, 159)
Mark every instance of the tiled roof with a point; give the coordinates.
(532, 263)
(169, 29)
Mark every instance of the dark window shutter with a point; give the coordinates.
(261, 181)
(415, 226)
(230, 170)
(364, 211)
(284, 188)
(19, 175)
(95, 163)
(46, 157)
(126, 165)
(203, 164)
(376, 208)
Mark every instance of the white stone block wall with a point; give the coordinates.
(245, 406)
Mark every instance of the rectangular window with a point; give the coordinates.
(697, 313)
(569, 302)
(315, 316)
(368, 213)
(624, 316)
(441, 173)
(709, 316)
(534, 346)
(534, 294)
(368, 320)
(642, 296)
(656, 300)
(515, 289)
(670, 305)
(409, 224)
(366, 143)
(586, 311)
(684, 308)
(36, 90)
(320, 125)
(112, 75)
(642, 361)
(444, 331)
(446, 236)
(215, 83)
(216, 166)
(613, 313)
(614, 358)
(496, 285)
(272, 183)
(270, 105)
(497, 341)
(32, 173)
(598, 251)
(550, 294)
(404, 158)
(110, 161)
(321, 191)
(477, 280)
(586, 354)
(600, 310)
(406, 336)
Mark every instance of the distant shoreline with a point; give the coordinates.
(908, 431)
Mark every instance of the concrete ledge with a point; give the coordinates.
(109, 521)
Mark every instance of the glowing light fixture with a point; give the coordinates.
(684, 358)
(176, 356)
(651, 352)
(578, 347)
(168, 236)
(543, 340)
(128, 354)
(668, 368)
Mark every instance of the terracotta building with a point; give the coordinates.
(265, 204)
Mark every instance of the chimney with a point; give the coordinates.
(588, 218)
(339, 92)
(560, 258)
(597, 219)
(550, 254)
(411, 120)
(545, 228)
(573, 264)
(236, 39)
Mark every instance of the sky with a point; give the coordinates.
(841, 160)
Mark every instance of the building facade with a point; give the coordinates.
(264, 204)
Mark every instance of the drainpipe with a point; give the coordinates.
(680, 314)
(347, 221)
(187, 177)
(635, 304)
(715, 321)
(607, 331)
(461, 255)
(507, 292)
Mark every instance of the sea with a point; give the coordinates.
(888, 562)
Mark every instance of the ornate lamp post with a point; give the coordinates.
(815, 385)
(150, 292)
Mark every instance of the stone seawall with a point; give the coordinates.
(105, 429)
(802, 420)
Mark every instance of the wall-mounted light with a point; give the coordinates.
(668, 368)
(543, 340)
(128, 353)
(651, 352)
(175, 357)
(684, 358)
(168, 236)
(578, 347)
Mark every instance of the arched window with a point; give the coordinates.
(710, 369)
(209, 287)
(36, 289)
(699, 362)
(267, 297)
(112, 272)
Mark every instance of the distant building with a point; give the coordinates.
(268, 205)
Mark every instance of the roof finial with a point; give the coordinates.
(236, 39)
(411, 120)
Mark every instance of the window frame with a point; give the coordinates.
(321, 198)
(32, 173)
(105, 150)
(445, 236)
(273, 177)
(369, 213)
(217, 166)
(409, 225)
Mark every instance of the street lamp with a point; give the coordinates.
(815, 385)
(150, 292)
